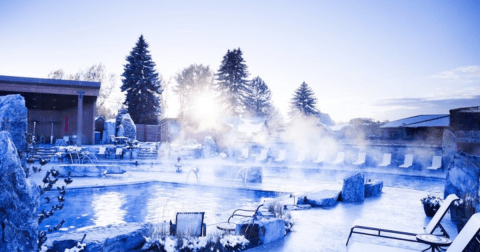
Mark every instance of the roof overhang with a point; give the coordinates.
(48, 86)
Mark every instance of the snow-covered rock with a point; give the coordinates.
(463, 175)
(13, 118)
(19, 201)
(353, 189)
(373, 188)
(261, 231)
(109, 129)
(209, 147)
(111, 238)
(323, 198)
(126, 122)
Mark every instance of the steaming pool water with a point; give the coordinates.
(150, 202)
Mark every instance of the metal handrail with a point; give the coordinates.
(245, 210)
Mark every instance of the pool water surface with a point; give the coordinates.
(149, 202)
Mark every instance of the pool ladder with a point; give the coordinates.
(196, 171)
(243, 215)
(243, 176)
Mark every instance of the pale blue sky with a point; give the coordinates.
(377, 59)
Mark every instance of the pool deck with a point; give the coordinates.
(315, 229)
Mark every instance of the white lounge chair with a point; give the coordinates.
(436, 163)
(387, 160)
(188, 224)
(281, 156)
(102, 151)
(387, 230)
(340, 158)
(301, 157)
(262, 156)
(321, 157)
(118, 152)
(460, 242)
(244, 154)
(361, 158)
(408, 162)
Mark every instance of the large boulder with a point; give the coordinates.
(261, 231)
(353, 189)
(111, 238)
(109, 129)
(209, 147)
(129, 128)
(13, 118)
(324, 198)
(255, 174)
(373, 188)
(463, 175)
(19, 201)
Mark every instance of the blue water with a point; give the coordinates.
(150, 202)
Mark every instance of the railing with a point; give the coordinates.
(243, 215)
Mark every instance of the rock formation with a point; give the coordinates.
(19, 200)
(353, 189)
(463, 175)
(13, 118)
(129, 128)
(108, 130)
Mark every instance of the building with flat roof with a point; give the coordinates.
(421, 129)
(56, 108)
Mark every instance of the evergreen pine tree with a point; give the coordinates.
(231, 83)
(258, 99)
(303, 102)
(143, 87)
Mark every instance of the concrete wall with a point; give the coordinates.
(148, 133)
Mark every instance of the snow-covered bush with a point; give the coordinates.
(279, 211)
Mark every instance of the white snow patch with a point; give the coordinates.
(233, 240)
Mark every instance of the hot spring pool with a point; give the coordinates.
(150, 202)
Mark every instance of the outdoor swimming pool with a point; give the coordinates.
(150, 202)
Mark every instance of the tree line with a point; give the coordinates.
(235, 94)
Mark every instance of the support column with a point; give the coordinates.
(80, 118)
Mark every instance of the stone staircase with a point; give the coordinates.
(46, 153)
(148, 153)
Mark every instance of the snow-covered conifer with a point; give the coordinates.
(142, 84)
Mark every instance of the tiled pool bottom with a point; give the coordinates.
(150, 202)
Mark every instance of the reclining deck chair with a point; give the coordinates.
(244, 155)
(102, 151)
(361, 226)
(460, 243)
(340, 158)
(408, 161)
(188, 224)
(361, 158)
(321, 157)
(387, 160)
(118, 152)
(301, 157)
(436, 163)
(262, 156)
(281, 156)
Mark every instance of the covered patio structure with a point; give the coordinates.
(56, 108)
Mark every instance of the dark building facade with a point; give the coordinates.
(56, 108)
